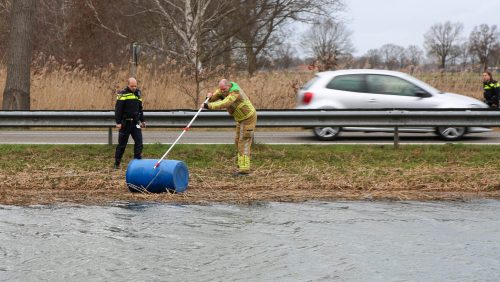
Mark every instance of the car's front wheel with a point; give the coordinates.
(326, 133)
(451, 133)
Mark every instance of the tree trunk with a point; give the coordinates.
(443, 62)
(485, 64)
(251, 59)
(16, 95)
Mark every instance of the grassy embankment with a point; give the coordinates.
(44, 174)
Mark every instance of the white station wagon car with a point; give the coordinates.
(380, 89)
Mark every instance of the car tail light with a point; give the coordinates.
(306, 99)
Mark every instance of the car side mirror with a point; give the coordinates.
(422, 94)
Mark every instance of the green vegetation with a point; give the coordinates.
(95, 157)
(83, 173)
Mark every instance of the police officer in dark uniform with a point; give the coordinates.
(129, 119)
(491, 90)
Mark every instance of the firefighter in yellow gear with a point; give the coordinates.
(231, 97)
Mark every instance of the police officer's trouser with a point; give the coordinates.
(129, 127)
(491, 100)
(243, 141)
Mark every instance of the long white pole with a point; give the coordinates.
(183, 131)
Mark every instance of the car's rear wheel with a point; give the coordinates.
(326, 133)
(451, 133)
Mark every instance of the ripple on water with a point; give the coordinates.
(348, 241)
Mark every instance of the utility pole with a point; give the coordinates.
(135, 50)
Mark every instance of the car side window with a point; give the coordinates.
(390, 85)
(353, 83)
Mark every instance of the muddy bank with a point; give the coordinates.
(104, 186)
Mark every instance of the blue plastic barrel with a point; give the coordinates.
(170, 175)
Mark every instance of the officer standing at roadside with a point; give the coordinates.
(129, 119)
(491, 90)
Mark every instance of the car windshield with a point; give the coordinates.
(423, 84)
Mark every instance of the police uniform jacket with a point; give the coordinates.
(129, 106)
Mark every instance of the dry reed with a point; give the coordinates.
(313, 183)
(63, 87)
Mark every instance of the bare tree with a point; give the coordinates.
(115, 23)
(415, 55)
(258, 20)
(194, 23)
(483, 41)
(16, 95)
(373, 58)
(329, 41)
(187, 31)
(495, 57)
(442, 39)
(465, 56)
(5, 7)
(392, 55)
(285, 56)
(51, 19)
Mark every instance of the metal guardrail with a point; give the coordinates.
(266, 118)
(269, 118)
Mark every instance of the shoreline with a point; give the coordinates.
(78, 188)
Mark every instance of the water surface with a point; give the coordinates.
(315, 241)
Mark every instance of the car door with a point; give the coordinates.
(394, 92)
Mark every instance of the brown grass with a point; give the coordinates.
(465, 83)
(46, 174)
(61, 87)
(267, 183)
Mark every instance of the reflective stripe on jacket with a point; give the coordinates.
(492, 84)
(127, 96)
(128, 105)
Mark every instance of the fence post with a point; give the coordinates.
(110, 136)
(396, 136)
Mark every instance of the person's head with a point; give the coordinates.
(132, 84)
(224, 85)
(487, 76)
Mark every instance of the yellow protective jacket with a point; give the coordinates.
(234, 100)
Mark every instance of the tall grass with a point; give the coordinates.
(62, 87)
(466, 83)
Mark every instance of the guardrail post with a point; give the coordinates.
(110, 136)
(396, 136)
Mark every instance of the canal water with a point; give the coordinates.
(313, 241)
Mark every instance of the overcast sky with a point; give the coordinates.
(404, 22)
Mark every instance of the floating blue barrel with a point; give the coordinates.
(170, 175)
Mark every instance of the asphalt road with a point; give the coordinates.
(226, 136)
